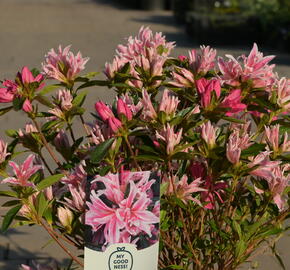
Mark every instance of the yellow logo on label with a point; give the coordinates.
(121, 259)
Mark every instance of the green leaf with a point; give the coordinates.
(233, 120)
(149, 158)
(49, 181)
(101, 150)
(8, 218)
(237, 228)
(42, 204)
(49, 88)
(11, 203)
(163, 188)
(5, 110)
(253, 150)
(8, 193)
(79, 99)
(173, 266)
(240, 248)
(11, 133)
(44, 101)
(93, 83)
(17, 103)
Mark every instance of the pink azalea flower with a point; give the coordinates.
(255, 69)
(98, 133)
(134, 213)
(283, 94)
(99, 214)
(23, 172)
(233, 102)
(235, 146)
(112, 69)
(3, 151)
(183, 78)
(277, 185)
(103, 111)
(204, 61)
(272, 135)
(65, 99)
(7, 94)
(184, 190)
(212, 190)
(63, 65)
(27, 106)
(142, 42)
(205, 88)
(65, 216)
(148, 112)
(22, 87)
(27, 77)
(123, 109)
(208, 134)
(169, 103)
(265, 165)
(77, 177)
(115, 124)
(61, 142)
(171, 138)
(78, 198)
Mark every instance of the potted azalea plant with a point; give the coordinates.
(193, 153)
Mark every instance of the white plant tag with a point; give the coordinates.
(122, 222)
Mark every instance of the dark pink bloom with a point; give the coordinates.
(103, 111)
(7, 94)
(23, 172)
(233, 102)
(182, 57)
(27, 77)
(213, 190)
(205, 88)
(123, 109)
(115, 124)
(27, 106)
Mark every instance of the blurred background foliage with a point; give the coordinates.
(236, 21)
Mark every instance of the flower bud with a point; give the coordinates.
(103, 111)
(123, 109)
(65, 216)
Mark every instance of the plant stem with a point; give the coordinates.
(132, 154)
(71, 132)
(85, 126)
(44, 141)
(187, 236)
(61, 244)
(45, 163)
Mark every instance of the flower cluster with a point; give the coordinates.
(117, 217)
(212, 133)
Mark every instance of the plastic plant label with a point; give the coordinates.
(122, 221)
